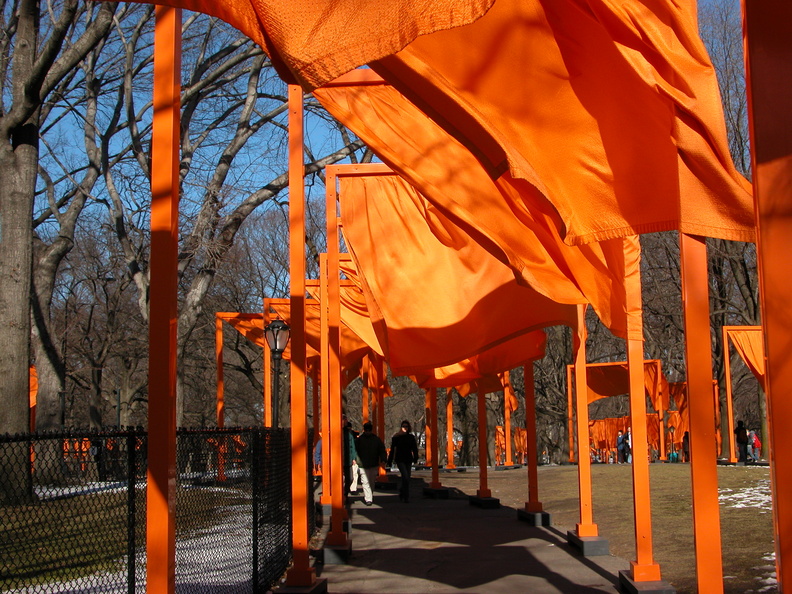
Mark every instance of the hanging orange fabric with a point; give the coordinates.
(750, 344)
(492, 362)
(486, 385)
(510, 398)
(609, 108)
(612, 379)
(510, 219)
(435, 296)
(249, 325)
(311, 43)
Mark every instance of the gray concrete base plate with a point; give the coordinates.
(535, 518)
(484, 502)
(436, 492)
(628, 585)
(589, 546)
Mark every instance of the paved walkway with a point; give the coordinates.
(435, 545)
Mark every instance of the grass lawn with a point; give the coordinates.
(746, 517)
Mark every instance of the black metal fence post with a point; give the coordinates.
(131, 515)
(254, 478)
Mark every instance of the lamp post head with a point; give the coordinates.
(277, 334)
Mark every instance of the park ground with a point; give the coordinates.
(745, 512)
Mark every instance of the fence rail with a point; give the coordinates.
(73, 511)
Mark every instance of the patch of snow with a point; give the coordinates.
(757, 496)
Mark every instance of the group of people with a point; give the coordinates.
(365, 452)
(749, 447)
(624, 447)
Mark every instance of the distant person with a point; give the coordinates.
(317, 458)
(404, 450)
(741, 437)
(627, 441)
(370, 454)
(686, 447)
(349, 455)
(620, 447)
(754, 446)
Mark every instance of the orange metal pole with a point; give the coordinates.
(658, 404)
(428, 426)
(317, 415)
(570, 412)
(219, 362)
(643, 569)
(729, 402)
(301, 573)
(267, 373)
(586, 527)
(381, 372)
(435, 484)
(336, 536)
(768, 52)
(161, 492)
(703, 464)
(483, 491)
(328, 462)
(449, 429)
(533, 505)
(507, 422)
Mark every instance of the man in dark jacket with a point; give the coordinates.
(404, 450)
(370, 454)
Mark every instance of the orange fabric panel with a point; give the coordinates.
(509, 217)
(487, 385)
(415, 264)
(492, 362)
(750, 344)
(313, 42)
(510, 398)
(33, 386)
(609, 108)
(251, 326)
(353, 349)
(612, 379)
(653, 431)
(354, 311)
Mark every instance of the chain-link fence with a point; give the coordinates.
(73, 511)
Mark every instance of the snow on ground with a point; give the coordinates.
(756, 496)
(217, 560)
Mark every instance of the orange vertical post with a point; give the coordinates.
(336, 536)
(768, 53)
(317, 414)
(435, 484)
(729, 403)
(449, 429)
(533, 505)
(570, 412)
(586, 527)
(428, 426)
(643, 569)
(300, 573)
(366, 401)
(219, 363)
(658, 404)
(328, 462)
(507, 422)
(703, 463)
(381, 372)
(483, 490)
(267, 418)
(161, 492)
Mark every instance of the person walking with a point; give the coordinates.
(370, 454)
(741, 437)
(404, 450)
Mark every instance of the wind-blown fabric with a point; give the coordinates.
(249, 325)
(525, 236)
(609, 108)
(613, 379)
(311, 42)
(749, 343)
(435, 296)
(490, 363)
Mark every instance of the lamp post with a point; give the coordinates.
(673, 451)
(277, 335)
